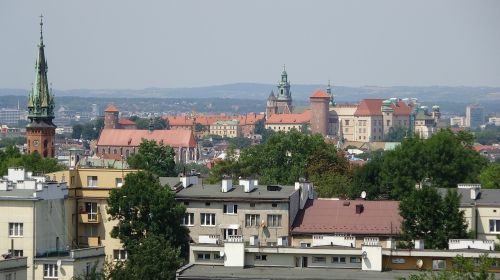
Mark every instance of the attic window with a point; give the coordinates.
(274, 188)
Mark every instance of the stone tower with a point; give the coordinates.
(284, 96)
(40, 131)
(111, 117)
(320, 101)
(271, 107)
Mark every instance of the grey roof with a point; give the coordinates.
(485, 197)
(213, 192)
(221, 272)
(170, 181)
(18, 194)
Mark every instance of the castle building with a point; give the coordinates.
(282, 102)
(320, 102)
(40, 131)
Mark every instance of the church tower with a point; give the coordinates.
(40, 131)
(271, 108)
(284, 96)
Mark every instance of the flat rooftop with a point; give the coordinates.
(213, 192)
(278, 273)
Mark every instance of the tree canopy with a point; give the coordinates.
(286, 157)
(11, 157)
(154, 157)
(88, 131)
(149, 226)
(428, 216)
(490, 176)
(143, 123)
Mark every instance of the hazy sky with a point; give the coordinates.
(139, 44)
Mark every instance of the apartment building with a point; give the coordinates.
(14, 268)
(287, 122)
(260, 215)
(89, 223)
(33, 213)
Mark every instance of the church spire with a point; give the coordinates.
(41, 100)
(329, 92)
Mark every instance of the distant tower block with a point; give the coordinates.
(320, 102)
(111, 117)
(40, 131)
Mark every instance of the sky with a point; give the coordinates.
(122, 44)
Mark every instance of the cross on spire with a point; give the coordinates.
(41, 28)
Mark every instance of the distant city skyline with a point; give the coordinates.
(126, 44)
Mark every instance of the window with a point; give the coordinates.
(188, 219)
(274, 205)
(229, 232)
(319, 259)
(494, 225)
(91, 181)
(186, 203)
(272, 244)
(346, 122)
(50, 271)
(305, 245)
(355, 260)
(346, 129)
(273, 220)
(338, 259)
(252, 220)
(118, 182)
(207, 219)
(91, 210)
(207, 203)
(203, 256)
(15, 229)
(230, 208)
(261, 257)
(388, 123)
(438, 264)
(217, 256)
(120, 255)
(398, 260)
(16, 253)
(252, 204)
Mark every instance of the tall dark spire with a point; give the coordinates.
(41, 100)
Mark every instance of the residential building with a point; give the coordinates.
(40, 131)
(33, 212)
(11, 117)
(349, 223)
(14, 268)
(491, 152)
(259, 215)
(474, 116)
(89, 189)
(494, 120)
(457, 121)
(230, 129)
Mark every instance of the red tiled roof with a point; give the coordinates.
(125, 121)
(304, 118)
(333, 216)
(133, 137)
(480, 147)
(320, 94)
(210, 119)
(111, 108)
(372, 107)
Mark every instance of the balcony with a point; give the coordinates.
(90, 218)
(90, 241)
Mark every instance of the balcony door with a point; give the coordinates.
(91, 209)
(229, 231)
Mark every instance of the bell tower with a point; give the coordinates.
(40, 131)
(284, 96)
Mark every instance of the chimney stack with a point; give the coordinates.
(227, 184)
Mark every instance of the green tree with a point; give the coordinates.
(149, 226)
(153, 157)
(396, 134)
(12, 141)
(182, 167)
(428, 216)
(143, 123)
(367, 178)
(77, 131)
(490, 176)
(240, 142)
(11, 157)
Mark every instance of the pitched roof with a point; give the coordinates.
(372, 107)
(486, 197)
(206, 120)
(111, 108)
(125, 121)
(320, 94)
(303, 118)
(133, 137)
(339, 216)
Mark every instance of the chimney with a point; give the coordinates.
(359, 208)
(188, 180)
(227, 184)
(248, 185)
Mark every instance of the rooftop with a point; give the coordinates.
(303, 118)
(372, 107)
(341, 216)
(111, 108)
(134, 137)
(214, 192)
(220, 272)
(320, 94)
(485, 196)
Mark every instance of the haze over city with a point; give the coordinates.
(127, 44)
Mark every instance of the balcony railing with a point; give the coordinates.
(90, 218)
(90, 241)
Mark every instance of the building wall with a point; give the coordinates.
(286, 127)
(224, 130)
(51, 230)
(410, 262)
(319, 116)
(266, 234)
(14, 269)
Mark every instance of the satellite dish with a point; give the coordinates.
(363, 194)
(364, 255)
(59, 263)
(420, 263)
(221, 254)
